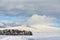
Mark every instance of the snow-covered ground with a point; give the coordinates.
(51, 33)
(36, 36)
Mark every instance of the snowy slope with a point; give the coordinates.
(22, 28)
(36, 29)
(34, 37)
(37, 34)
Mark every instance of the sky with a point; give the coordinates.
(29, 12)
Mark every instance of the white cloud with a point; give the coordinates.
(38, 19)
(36, 23)
(43, 23)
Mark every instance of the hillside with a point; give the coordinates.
(36, 29)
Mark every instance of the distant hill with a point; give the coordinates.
(36, 29)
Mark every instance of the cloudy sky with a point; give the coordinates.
(29, 12)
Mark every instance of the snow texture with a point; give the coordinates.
(36, 36)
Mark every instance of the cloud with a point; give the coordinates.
(33, 20)
(43, 23)
(36, 23)
(30, 7)
(38, 19)
(47, 11)
(6, 23)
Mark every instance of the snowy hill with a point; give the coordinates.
(51, 33)
(36, 29)
(22, 28)
(34, 37)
